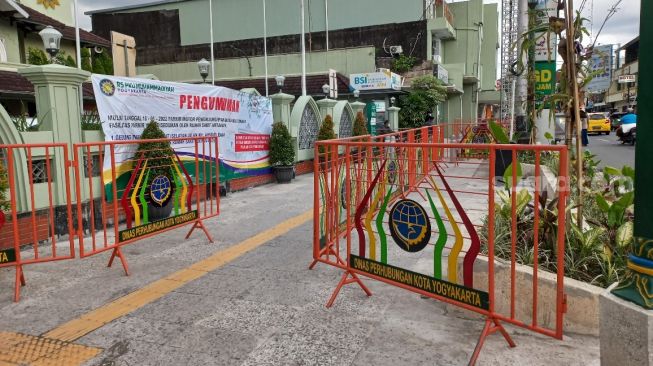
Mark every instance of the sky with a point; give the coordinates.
(621, 28)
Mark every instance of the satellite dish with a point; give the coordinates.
(98, 49)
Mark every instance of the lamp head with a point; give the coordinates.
(203, 66)
(326, 89)
(51, 40)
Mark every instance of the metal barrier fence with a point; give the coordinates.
(37, 213)
(147, 187)
(430, 199)
(104, 196)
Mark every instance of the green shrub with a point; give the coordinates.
(5, 203)
(426, 93)
(326, 132)
(360, 125)
(158, 154)
(403, 63)
(87, 63)
(282, 151)
(107, 62)
(98, 66)
(36, 56)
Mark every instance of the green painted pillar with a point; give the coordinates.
(326, 107)
(58, 108)
(281, 107)
(393, 117)
(637, 286)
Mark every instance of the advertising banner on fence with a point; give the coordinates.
(241, 121)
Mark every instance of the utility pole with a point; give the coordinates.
(638, 284)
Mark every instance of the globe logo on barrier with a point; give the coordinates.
(160, 189)
(410, 226)
(107, 87)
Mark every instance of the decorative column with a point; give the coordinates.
(357, 106)
(58, 110)
(281, 107)
(326, 107)
(626, 318)
(393, 117)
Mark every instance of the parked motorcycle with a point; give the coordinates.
(627, 133)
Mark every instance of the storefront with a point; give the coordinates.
(376, 90)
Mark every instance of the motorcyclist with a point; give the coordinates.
(626, 132)
(629, 117)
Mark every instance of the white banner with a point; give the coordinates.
(241, 121)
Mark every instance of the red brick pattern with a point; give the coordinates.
(25, 230)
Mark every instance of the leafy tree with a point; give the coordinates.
(98, 66)
(360, 126)
(426, 93)
(87, 63)
(69, 61)
(282, 151)
(107, 62)
(158, 153)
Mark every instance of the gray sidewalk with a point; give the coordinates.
(265, 307)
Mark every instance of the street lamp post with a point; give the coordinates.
(203, 66)
(280, 79)
(51, 41)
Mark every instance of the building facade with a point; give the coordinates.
(622, 95)
(19, 27)
(457, 41)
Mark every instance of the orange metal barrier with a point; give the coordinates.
(382, 203)
(145, 187)
(35, 196)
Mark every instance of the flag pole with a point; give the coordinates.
(265, 49)
(78, 48)
(326, 23)
(303, 50)
(211, 30)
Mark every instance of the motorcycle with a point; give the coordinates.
(627, 133)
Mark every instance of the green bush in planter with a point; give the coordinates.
(282, 152)
(360, 126)
(326, 132)
(158, 154)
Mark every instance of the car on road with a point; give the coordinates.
(598, 123)
(615, 119)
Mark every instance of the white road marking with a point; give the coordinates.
(604, 140)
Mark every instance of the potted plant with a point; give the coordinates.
(159, 156)
(503, 157)
(282, 153)
(360, 129)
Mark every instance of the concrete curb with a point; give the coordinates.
(582, 315)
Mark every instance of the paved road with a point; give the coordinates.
(247, 300)
(611, 152)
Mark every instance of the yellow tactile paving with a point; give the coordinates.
(21, 349)
(74, 329)
(69, 354)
